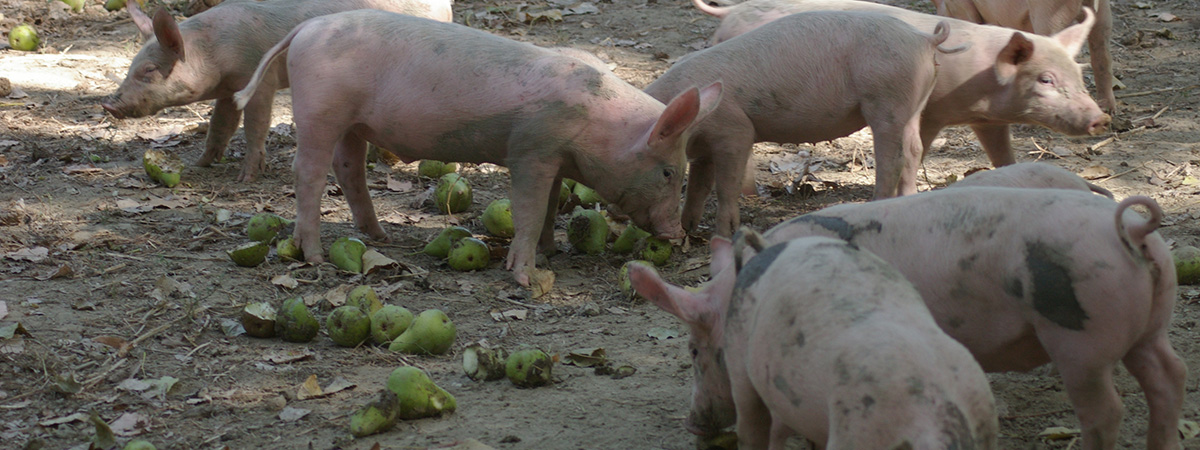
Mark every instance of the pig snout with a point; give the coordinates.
(1099, 125)
(108, 106)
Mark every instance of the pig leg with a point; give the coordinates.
(313, 158)
(531, 186)
(257, 123)
(898, 152)
(1098, 47)
(996, 141)
(753, 417)
(546, 242)
(699, 185)
(1091, 390)
(731, 155)
(1161, 374)
(221, 126)
(350, 166)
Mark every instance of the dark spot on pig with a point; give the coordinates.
(837, 225)
(916, 387)
(782, 385)
(903, 446)
(1052, 291)
(967, 263)
(954, 322)
(842, 370)
(757, 266)
(956, 429)
(867, 402)
(799, 339)
(1014, 287)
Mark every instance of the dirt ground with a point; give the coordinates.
(94, 255)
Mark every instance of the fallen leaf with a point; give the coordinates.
(589, 357)
(1189, 180)
(36, 254)
(232, 327)
(77, 417)
(134, 385)
(1143, 5)
(662, 334)
(339, 384)
(104, 435)
(3, 309)
(1094, 172)
(398, 186)
(1058, 433)
(373, 261)
(13, 329)
(1188, 429)
(288, 356)
(290, 414)
(337, 296)
(540, 281)
(285, 280)
(160, 387)
(309, 389)
(129, 424)
(516, 314)
(76, 169)
(64, 271)
(112, 341)
(1165, 16)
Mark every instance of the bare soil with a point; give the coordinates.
(94, 255)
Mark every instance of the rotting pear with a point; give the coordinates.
(258, 318)
(431, 333)
(657, 251)
(24, 38)
(377, 416)
(388, 322)
(417, 395)
(294, 322)
(1187, 264)
(469, 254)
(346, 253)
(249, 254)
(587, 196)
(439, 247)
(587, 231)
(629, 238)
(288, 250)
(529, 368)
(453, 193)
(348, 326)
(430, 168)
(163, 166)
(497, 218)
(263, 227)
(365, 298)
(484, 364)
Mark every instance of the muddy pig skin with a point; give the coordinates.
(870, 70)
(1046, 17)
(1023, 277)
(1032, 175)
(817, 338)
(453, 93)
(1002, 77)
(212, 55)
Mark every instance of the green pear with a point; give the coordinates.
(439, 247)
(497, 218)
(721, 441)
(417, 395)
(623, 280)
(365, 298)
(564, 194)
(484, 364)
(469, 254)
(249, 254)
(263, 227)
(587, 231)
(24, 38)
(377, 416)
(162, 166)
(1187, 264)
(258, 319)
(114, 5)
(388, 322)
(453, 193)
(587, 196)
(288, 250)
(570, 183)
(429, 168)
(294, 322)
(76, 5)
(139, 444)
(529, 368)
(346, 253)
(348, 326)
(431, 333)
(629, 238)
(657, 251)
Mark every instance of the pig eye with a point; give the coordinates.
(695, 353)
(148, 73)
(1046, 79)
(668, 173)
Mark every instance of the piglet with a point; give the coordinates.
(868, 70)
(429, 90)
(1023, 277)
(1033, 175)
(212, 55)
(1046, 17)
(818, 338)
(1002, 77)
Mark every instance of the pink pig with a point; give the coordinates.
(1031, 175)
(1046, 17)
(1023, 277)
(428, 90)
(818, 338)
(212, 55)
(869, 70)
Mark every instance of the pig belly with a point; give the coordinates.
(808, 127)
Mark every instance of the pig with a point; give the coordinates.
(818, 338)
(1046, 17)
(1001, 78)
(1031, 175)
(1022, 277)
(429, 90)
(212, 55)
(870, 70)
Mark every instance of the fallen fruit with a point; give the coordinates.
(294, 322)
(469, 254)
(435, 169)
(76, 5)
(623, 280)
(23, 38)
(453, 193)
(163, 166)
(139, 444)
(348, 326)
(497, 218)
(364, 297)
(529, 368)
(258, 319)
(629, 238)
(430, 333)
(1187, 264)
(114, 5)
(346, 253)
(288, 250)
(263, 227)
(720, 441)
(587, 196)
(439, 247)
(656, 250)
(587, 231)
(484, 364)
(388, 322)
(377, 416)
(249, 254)
(417, 395)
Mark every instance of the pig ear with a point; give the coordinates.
(1008, 62)
(143, 22)
(687, 306)
(1074, 36)
(167, 32)
(686, 109)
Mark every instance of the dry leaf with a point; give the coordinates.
(1188, 429)
(64, 271)
(1094, 172)
(3, 309)
(339, 384)
(373, 261)
(116, 342)
(398, 186)
(104, 436)
(36, 254)
(540, 281)
(309, 389)
(285, 280)
(13, 329)
(129, 424)
(337, 296)
(287, 356)
(1058, 433)
(76, 169)
(290, 414)
(516, 314)
(588, 357)
(77, 417)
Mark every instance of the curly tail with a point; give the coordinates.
(746, 236)
(940, 33)
(715, 11)
(1134, 237)
(268, 60)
